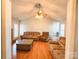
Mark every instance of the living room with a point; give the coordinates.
(40, 29)
(29, 40)
(30, 31)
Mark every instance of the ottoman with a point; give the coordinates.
(24, 44)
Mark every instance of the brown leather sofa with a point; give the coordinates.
(60, 42)
(44, 37)
(58, 48)
(30, 35)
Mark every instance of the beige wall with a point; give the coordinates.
(6, 29)
(3, 36)
(76, 39)
(70, 29)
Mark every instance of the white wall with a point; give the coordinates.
(40, 25)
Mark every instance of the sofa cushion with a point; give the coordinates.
(59, 54)
(55, 47)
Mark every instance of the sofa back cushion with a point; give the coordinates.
(45, 34)
(31, 33)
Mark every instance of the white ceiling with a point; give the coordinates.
(55, 9)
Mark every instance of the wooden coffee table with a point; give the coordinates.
(24, 44)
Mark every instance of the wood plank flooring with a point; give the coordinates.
(40, 50)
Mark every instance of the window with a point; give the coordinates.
(15, 30)
(62, 29)
(55, 28)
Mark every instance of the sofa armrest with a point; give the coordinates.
(63, 46)
(62, 42)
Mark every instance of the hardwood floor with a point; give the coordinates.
(39, 50)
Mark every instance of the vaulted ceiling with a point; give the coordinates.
(55, 9)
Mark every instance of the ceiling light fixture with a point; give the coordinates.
(39, 13)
